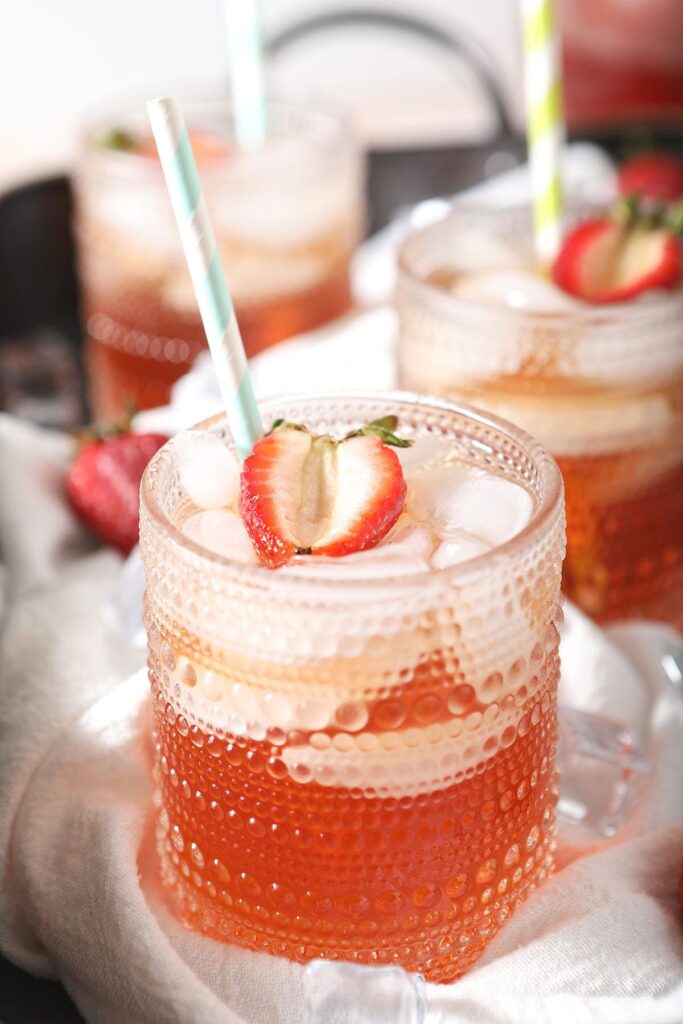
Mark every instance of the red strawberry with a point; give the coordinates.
(303, 494)
(655, 175)
(604, 260)
(103, 484)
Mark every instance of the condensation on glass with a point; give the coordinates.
(359, 771)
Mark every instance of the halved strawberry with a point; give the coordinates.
(655, 175)
(308, 494)
(604, 260)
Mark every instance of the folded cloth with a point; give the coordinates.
(601, 942)
(359, 350)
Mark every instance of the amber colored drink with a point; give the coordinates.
(602, 387)
(357, 769)
(287, 219)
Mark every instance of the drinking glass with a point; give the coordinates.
(287, 217)
(600, 386)
(357, 769)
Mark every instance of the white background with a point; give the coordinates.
(60, 58)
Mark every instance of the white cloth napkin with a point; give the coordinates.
(602, 942)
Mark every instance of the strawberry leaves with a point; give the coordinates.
(383, 428)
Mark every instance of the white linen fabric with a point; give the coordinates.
(601, 943)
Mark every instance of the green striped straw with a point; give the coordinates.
(206, 271)
(245, 59)
(544, 122)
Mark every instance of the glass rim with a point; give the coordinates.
(541, 522)
(121, 107)
(612, 312)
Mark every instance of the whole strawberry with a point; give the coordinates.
(103, 483)
(656, 176)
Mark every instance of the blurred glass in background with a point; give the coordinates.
(434, 92)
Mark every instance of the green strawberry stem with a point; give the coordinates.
(674, 220)
(118, 139)
(382, 428)
(639, 211)
(107, 428)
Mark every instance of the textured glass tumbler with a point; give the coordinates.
(287, 218)
(600, 386)
(360, 770)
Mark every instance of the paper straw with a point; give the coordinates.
(246, 71)
(206, 271)
(544, 122)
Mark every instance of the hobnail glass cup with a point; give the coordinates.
(600, 386)
(360, 770)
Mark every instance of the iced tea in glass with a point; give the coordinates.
(287, 218)
(600, 386)
(355, 756)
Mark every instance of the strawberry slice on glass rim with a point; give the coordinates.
(307, 494)
(614, 258)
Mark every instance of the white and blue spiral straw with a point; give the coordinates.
(206, 271)
(245, 61)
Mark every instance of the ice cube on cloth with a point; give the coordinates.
(601, 943)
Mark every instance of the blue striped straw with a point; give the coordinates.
(246, 71)
(206, 271)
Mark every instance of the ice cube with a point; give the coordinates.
(407, 539)
(459, 497)
(459, 546)
(516, 289)
(603, 773)
(486, 249)
(406, 550)
(209, 472)
(343, 993)
(360, 567)
(222, 532)
(425, 452)
(139, 216)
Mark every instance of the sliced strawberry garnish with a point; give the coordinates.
(305, 494)
(655, 175)
(604, 260)
(103, 484)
